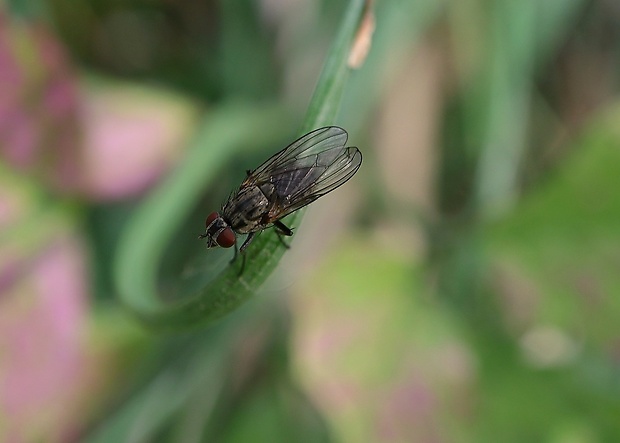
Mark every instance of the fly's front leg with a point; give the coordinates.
(281, 229)
(242, 265)
(242, 260)
(234, 256)
(245, 244)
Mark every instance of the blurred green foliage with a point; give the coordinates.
(497, 322)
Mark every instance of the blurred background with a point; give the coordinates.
(463, 287)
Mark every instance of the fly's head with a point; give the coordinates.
(218, 232)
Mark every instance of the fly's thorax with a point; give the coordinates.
(244, 210)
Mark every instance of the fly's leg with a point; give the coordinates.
(285, 244)
(245, 244)
(234, 256)
(242, 265)
(242, 259)
(281, 229)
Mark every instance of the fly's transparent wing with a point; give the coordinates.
(310, 167)
(312, 177)
(322, 139)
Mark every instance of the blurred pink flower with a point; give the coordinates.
(132, 136)
(38, 104)
(47, 369)
(42, 341)
(99, 141)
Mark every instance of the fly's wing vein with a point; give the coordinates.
(303, 185)
(322, 139)
(310, 167)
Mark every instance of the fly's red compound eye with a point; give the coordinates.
(226, 238)
(210, 218)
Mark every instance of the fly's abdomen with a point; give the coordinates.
(245, 210)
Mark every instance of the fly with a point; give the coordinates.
(307, 169)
